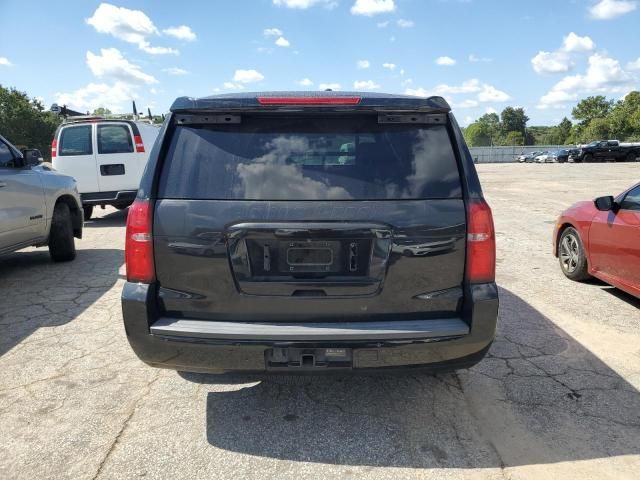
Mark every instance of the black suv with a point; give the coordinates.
(310, 232)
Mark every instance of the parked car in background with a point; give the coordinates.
(607, 151)
(105, 156)
(543, 157)
(287, 208)
(527, 157)
(602, 239)
(38, 206)
(559, 156)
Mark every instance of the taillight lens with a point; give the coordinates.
(481, 243)
(138, 251)
(139, 144)
(54, 148)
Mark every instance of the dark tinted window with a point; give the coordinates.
(75, 141)
(328, 158)
(114, 139)
(6, 156)
(631, 200)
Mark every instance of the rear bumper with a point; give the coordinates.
(218, 347)
(108, 198)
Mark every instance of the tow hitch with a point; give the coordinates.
(289, 358)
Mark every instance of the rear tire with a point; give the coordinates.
(62, 247)
(631, 157)
(588, 158)
(88, 211)
(572, 257)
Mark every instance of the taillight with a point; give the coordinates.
(139, 144)
(481, 243)
(54, 148)
(138, 250)
(309, 100)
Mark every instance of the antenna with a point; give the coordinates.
(135, 110)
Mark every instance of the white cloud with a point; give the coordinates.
(116, 97)
(232, 86)
(111, 64)
(365, 85)
(635, 65)
(445, 61)
(131, 26)
(5, 61)
(576, 43)
(329, 86)
(608, 9)
(282, 42)
(469, 103)
(474, 59)
(272, 32)
(490, 110)
(372, 7)
(560, 60)
(382, 24)
(604, 75)
(492, 94)
(402, 23)
(176, 71)
(482, 93)
(362, 64)
(389, 66)
(302, 4)
(551, 62)
(182, 32)
(305, 82)
(247, 76)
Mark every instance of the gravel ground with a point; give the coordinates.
(557, 397)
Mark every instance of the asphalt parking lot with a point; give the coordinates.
(558, 396)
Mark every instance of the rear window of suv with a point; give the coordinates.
(310, 158)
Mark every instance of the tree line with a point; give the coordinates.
(594, 118)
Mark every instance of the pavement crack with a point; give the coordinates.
(116, 439)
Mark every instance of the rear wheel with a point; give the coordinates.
(88, 211)
(62, 246)
(631, 157)
(572, 257)
(588, 158)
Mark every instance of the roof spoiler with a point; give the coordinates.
(277, 101)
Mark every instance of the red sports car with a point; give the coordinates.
(602, 239)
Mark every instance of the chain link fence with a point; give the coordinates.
(509, 154)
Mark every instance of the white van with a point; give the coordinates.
(106, 157)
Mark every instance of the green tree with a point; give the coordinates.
(592, 107)
(564, 130)
(478, 134)
(102, 111)
(597, 129)
(514, 120)
(514, 138)
(625, 117)
(24, 121)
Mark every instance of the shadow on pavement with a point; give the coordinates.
(115, 218)
(37, 292)
(539, 397)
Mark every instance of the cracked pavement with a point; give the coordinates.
(557, 396)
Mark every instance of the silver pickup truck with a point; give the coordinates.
(38, 206)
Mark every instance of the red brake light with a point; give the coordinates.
(308, 100)
(481, 243)
(138, 250)
(54, 148)
(139, 144)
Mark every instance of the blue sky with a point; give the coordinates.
(482, 55)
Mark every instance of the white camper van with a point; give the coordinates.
(106, 157)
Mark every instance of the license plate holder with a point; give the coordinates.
(294, 359)
(310, 256)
